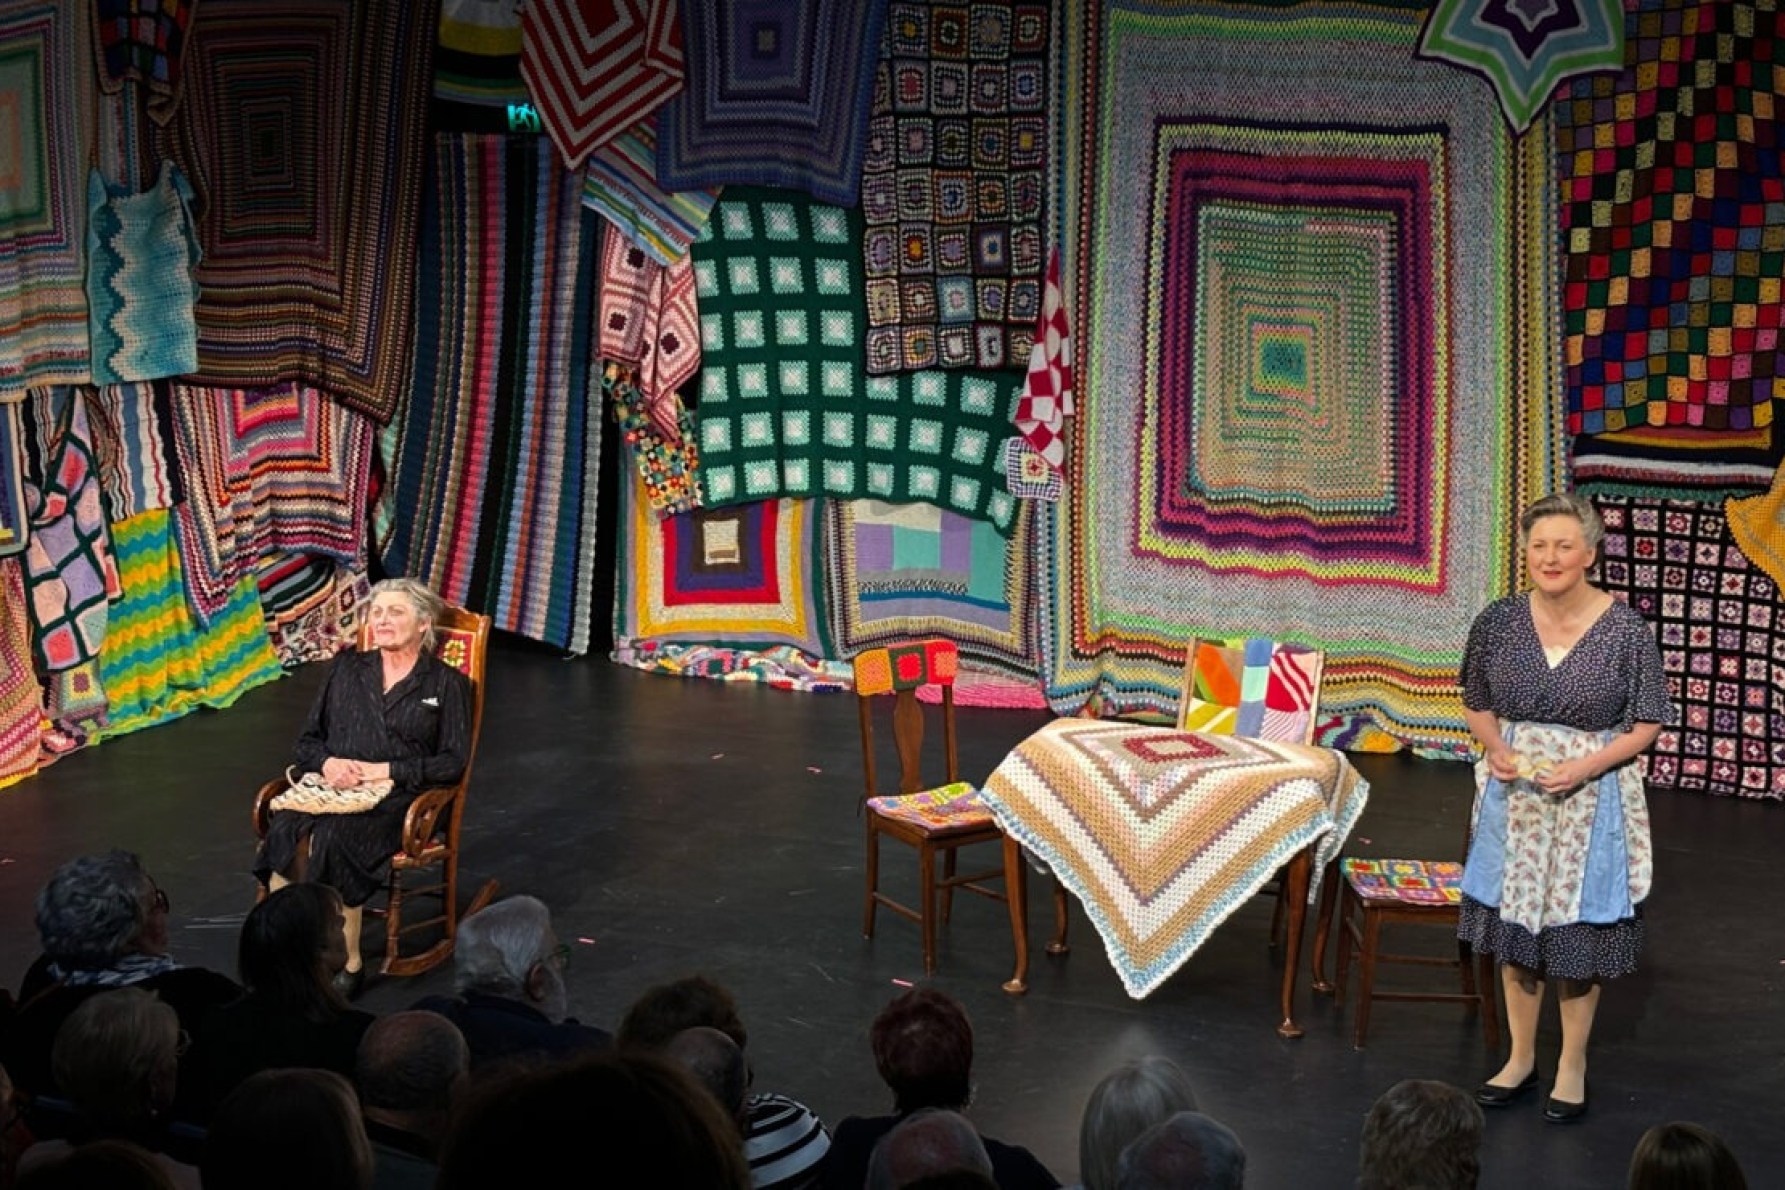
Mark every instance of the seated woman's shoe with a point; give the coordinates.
(350, 983)
(1493, 1095)
(1560, 1111)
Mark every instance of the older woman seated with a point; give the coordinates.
(103, 924)
(396, 713)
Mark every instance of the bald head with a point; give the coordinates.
(716, 1062)
(411, 1062)
(926, 1144)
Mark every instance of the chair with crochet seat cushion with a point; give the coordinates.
(430, 842)
(935, 820)
(1377, 892)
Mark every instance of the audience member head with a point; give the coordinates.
(1131, 1099)
(117, 1058)
(101, 1165)
(1682, 1156)
(716, 1063)
(928, 1144)
(98, 909)
(643, 1121)
(409, 1067)
(291, 946)
(686, 1003)
(288, 1130)
(1188, 1151)
(923, 1048)
(509, 950)
(1421, 1135)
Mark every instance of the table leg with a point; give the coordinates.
(1016, 888)
(1296, 889)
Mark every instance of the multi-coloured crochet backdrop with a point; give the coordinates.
(1721, 626)
(493, 459)
(784, 407)
(1314, 285)
(301, 129)
(1674, 218)
(952, 186)
(903, 571)
(747, 575)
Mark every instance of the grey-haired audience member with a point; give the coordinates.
(927, 1144)
(1684, 1156)
(1131, 1099)
(1421, 1135)
(716, 1063)
(288, 1130)
(411, 1067)
(1188, 1151)
(513, 1001)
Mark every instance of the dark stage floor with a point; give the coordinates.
(683, 826)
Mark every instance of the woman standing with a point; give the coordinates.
(1563, 689)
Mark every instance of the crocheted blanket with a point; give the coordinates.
(1524, 52)
(21, 699)
(312, 605)
(1758, 524)
(746, 576)
(477, 70)
(70, 575)
(142, 249)
(493, 462)
(1318, 350)
(952, 184)
(15, 521)
(159, 662)
(1162, 834)
(776, 95)
(132, 426)
(668, 466)
(1720, 623)
(621, 185)
(144, 41)
(906, 571)
(784, 407)
(266, 469)
(46, 72)
(302, 130)
(779, 667)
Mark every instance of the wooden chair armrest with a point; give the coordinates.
(423, 819)
(266, 794)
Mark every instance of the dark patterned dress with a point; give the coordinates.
(1574, 867)
(422, 726)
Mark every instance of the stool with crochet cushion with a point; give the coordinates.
(936, 820)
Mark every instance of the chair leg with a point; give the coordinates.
(1347, 941)
(1277, 914)
(1058, 945)
(873, 880)
(948, 862)
(926, 879)
(1366, 981)
(1323, 922)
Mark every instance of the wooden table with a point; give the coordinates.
(1162, 834)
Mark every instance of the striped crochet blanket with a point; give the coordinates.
(21, 699)
(142, 249)
(312, 605)
(159, 662)
(1162, 834)
(1315, 281)
(302, 131)
(493, 462)
(132, 427)
(47, 52)
(266, 469)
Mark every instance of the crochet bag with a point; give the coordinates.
(310, 794)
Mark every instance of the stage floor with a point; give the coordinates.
(679, 826)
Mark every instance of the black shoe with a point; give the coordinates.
(1558, 1111)
(1494, 1095)
(350, 983)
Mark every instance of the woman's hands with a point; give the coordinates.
(1564, 777)
(344, 774)
(1502, 762)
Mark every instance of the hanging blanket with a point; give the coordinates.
(1758, 525)
(132, 427)
(784, 407)
(1525, 51)
(1720, 622)
(493, 463)
(952, 184)
(312, 606)
(302, 132)
(141, 250)
(21, 699)
(46, 75)
(595, 67)
(266, 469)
(669, 468)
(1674, 229)
(159, 662)
(70, 576)
(143, 41)
(649, 320)
(1162, 834)
(780, 667)
(15, 520)
(1316, 337)
(905, 571)
(622, 185)
(745, 576)
(1047, 401)
(477, 69)
(777, 95)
